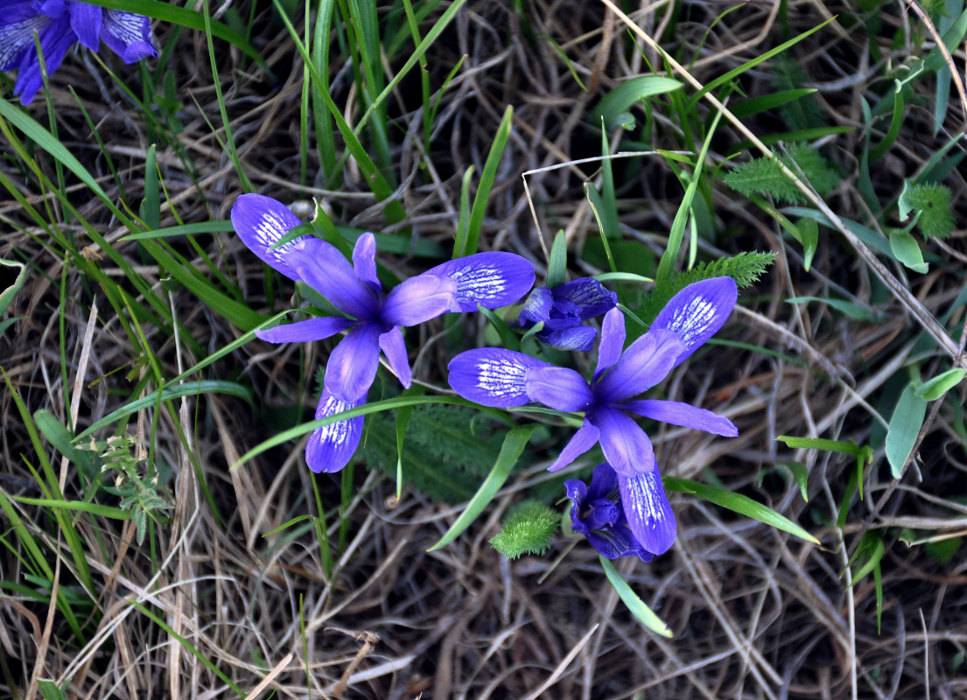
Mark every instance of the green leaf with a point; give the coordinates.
(737, 503)
(167, 393)
(510, 452)
(906, 251)
(556, 266)
(860, 313)
(528, 529)
(629, 93)
(763, 103)
(801, 474)
(8, 294)
(904, 427)
(631, 600)
(468, 246)
(935, 388)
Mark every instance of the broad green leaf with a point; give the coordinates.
(631, 600)
(935, 388)
(7, 295)
(860, 313)
(737, 503)
(510, 452)
(905, 250)
(630, 93)
(903, 429)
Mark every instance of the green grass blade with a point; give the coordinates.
(737, 503)
(510, 452)
(631, 600)
(905, 425)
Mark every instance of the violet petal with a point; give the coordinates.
(261, 222)
(491, 280)
(330, 447)
(559, 388)
(697, 312)
(353, 363)
(682, 414)
(625, 445)
(583, 440)
(306, 331)
(492, 376)
(325, 269)
(648, 511)
(646, 362)
(392, 345)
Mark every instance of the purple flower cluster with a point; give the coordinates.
(371, 320)
(624, 511)
(504, 378)
(60, 24)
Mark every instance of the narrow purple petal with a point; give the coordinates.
(625, 445)
(86, 23)
(612, 341)
(583, 440)
(648, 512)
(537, 306)
(604, 482)
(580, 338)
(332, 446)
(419, 299)
(391, 342)
(491, 280)
(128, 35)
(306, 331)
(261, 222)
(683, 414)
(325, 269)
(492, 376)
(364, 261)
(697, 312)
(353, 363)
(646, 362)
(559, 388)
(56, 38)
(589, 295)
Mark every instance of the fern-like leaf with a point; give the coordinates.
(528, 529)
(764, 176)
(745, 268)
(446, 452)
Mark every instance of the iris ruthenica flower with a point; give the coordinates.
(563, 308)
(504, 378)
(373, 321)
(597, 514)
(59, 25)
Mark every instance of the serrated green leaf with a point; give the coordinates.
(631, 600)
(737, 503)
(904, 427)
(510, 452)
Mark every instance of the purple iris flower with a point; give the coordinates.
(373, 321)
(504, 378)
(60, 24)
(563, 308)
(597, 514)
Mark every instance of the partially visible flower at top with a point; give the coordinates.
(597, 514)
(504, 378)
(59, 24)
(563, 308)
(373, 321)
